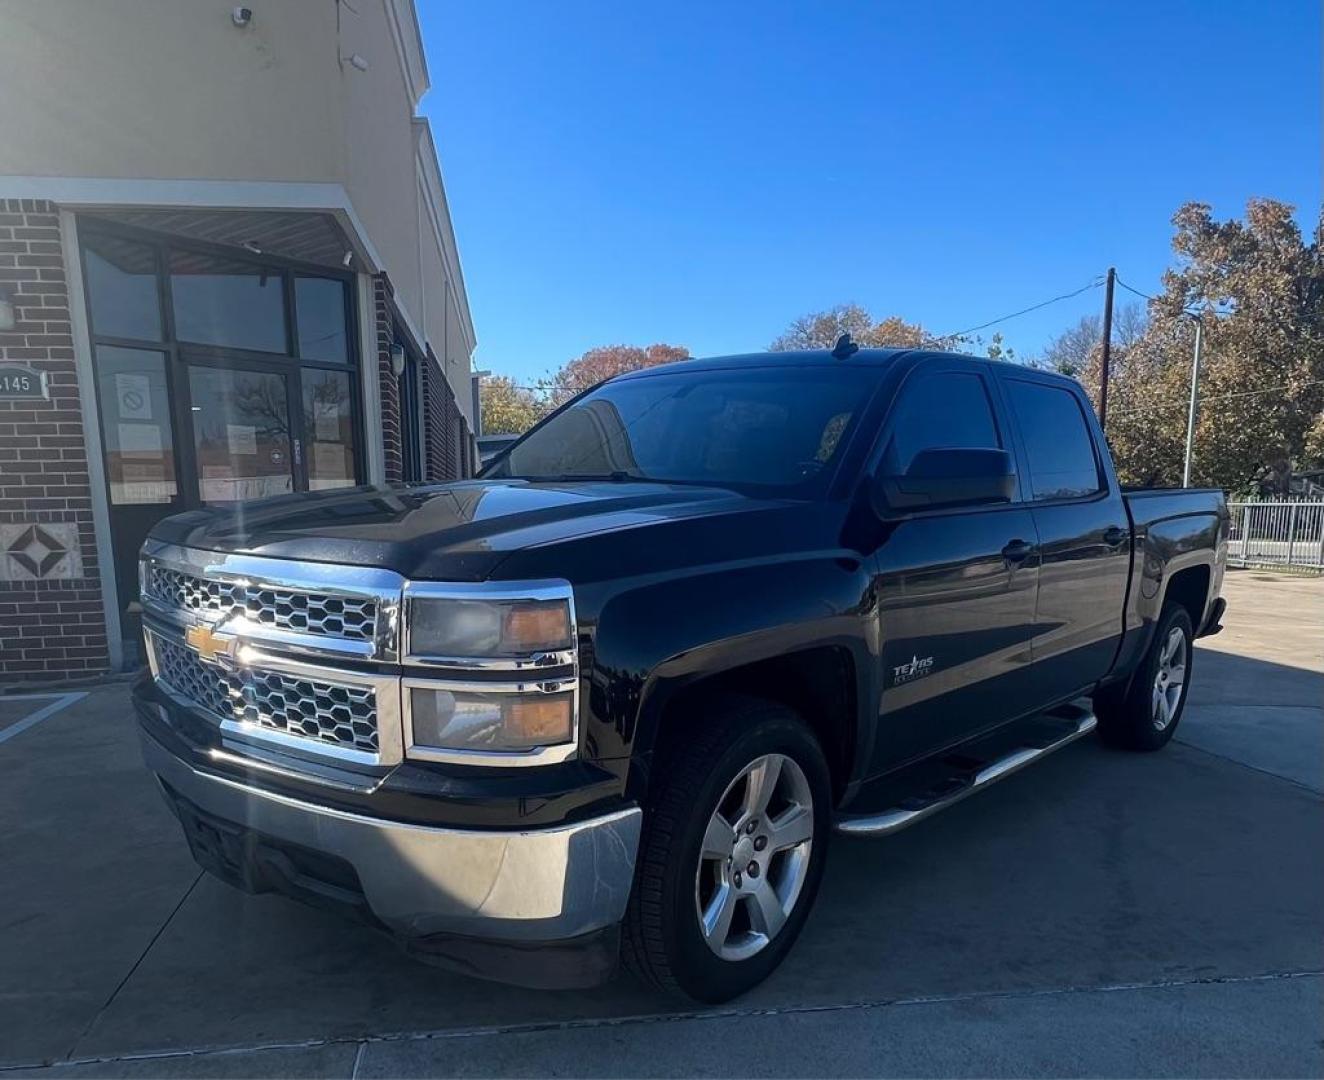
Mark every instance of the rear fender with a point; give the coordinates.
(1165, 549)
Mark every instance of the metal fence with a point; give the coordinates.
(1284, 535)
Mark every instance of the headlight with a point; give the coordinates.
(476, 719)
(491, 672)
(480, 629)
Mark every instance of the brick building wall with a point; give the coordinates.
(52, 621)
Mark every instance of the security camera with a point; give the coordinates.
(241, 16)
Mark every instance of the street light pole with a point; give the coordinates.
(1195, 400)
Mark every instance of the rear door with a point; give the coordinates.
(1084, 532)
(955, 586)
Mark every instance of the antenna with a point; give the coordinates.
(845, 348)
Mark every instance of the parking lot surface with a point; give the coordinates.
(1100, 913)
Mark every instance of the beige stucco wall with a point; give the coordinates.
(169, 88)
(173, 90)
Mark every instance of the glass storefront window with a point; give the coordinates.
(122, 288)
(328, 424)
(319, 305)
(241, 429)
(220, 302)
(135, 410)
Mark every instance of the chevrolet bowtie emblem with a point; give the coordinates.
(208, 643)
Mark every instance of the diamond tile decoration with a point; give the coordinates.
(46, 551)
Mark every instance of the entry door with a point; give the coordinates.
(246, 433)
(136, 388)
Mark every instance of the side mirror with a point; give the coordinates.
(947, 476)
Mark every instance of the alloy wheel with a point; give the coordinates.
(755, 857)
(1169, 679)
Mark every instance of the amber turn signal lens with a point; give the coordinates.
(534, 626)
(535, 720)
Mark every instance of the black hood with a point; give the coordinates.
(454, 532)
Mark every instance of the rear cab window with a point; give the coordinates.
(1059, 448)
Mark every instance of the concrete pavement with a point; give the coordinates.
(1101, 913)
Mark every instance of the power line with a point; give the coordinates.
(1094, 284)
(941, 338)
(1196, 313)
(1015, 314)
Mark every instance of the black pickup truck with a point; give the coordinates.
(614, 697)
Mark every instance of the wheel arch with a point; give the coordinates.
(820, 684)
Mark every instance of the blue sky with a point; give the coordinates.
(702, 173)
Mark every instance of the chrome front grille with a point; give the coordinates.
(205, 685)
(342, 715)
(345, 617)
(304, 662)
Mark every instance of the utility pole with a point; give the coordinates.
(1107, 348)
(1195, 398)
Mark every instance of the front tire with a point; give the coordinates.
(1144, 714)
(732, 852)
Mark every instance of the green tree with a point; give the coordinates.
(1258, 286)
(507, 409)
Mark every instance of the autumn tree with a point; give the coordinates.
(821, 329)
(1258, 286)
(604, 362)
(507, 409)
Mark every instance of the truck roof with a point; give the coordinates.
(872, 358)
(795, 358)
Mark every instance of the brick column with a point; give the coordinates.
(52, 622)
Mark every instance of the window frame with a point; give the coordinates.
(958, 365)
(181, 354)
(1073, 390)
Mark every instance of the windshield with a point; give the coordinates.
(779, 429)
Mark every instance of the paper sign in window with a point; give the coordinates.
(242, 439)
(328, 427)
(133, 395)
(330, 461)
(139, 439)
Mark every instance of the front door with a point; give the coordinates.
(955, 587)
(247, 442)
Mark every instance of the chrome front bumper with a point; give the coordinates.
(536, 886)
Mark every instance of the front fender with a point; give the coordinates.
(655, 640)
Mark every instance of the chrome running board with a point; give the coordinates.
(1077, 721)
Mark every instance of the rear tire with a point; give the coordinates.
(752, 779)
(1143, 714)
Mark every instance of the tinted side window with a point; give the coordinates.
(942, 409)
(1057, 441)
